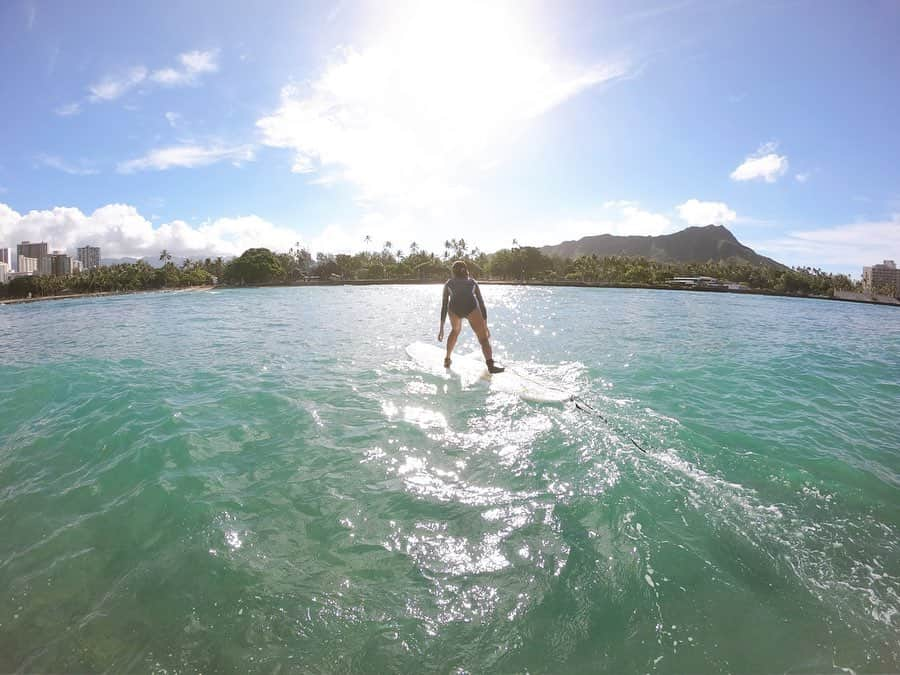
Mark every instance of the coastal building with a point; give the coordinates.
(44, 266)
(697, 282)
(89, 257)
(882, 277)
(33, 250)
(26, 265)
(5, 270)
(6, 255)
(40, 252)
(60, 264)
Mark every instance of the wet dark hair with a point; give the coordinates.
(460, 270)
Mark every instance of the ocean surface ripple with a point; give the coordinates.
(261, 480)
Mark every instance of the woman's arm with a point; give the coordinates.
(480, 300)
(444, 304)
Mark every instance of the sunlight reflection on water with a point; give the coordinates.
(201, 478)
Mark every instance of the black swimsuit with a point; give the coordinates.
(462, 297)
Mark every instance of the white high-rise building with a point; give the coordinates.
(26, 265)
(5, 269)
(6, 255)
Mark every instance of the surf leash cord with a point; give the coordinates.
(586, 407)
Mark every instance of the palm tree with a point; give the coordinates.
(368, 240)
(413, 248)
(165, 255)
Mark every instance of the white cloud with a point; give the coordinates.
(765, 164)
(30, 13)
(54, 162)
(173, 119)
(168, 76)
(618, 204)
(622, 218)
(632, 220)
(187, 156)
(8, 218)
(68, 109)
(695, 212)
(200, 62)
(121, 231)
(112, 87)
(52, 57)
(192, 64)
(844, 246)
(399, 229)
(656, 12)
(336, 238)
(487, 233)
(802, 177)
(413, 118)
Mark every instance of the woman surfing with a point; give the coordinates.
(462, 298)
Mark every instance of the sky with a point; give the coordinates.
(206, 128)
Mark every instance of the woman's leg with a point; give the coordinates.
(479, 325)
(455, 328)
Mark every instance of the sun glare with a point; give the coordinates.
(431, 98)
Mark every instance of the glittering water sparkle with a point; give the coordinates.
(260, 480)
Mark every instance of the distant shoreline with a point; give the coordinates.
(862, 299)
(577, 284)
(99, 294)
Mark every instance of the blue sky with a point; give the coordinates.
(209, 127)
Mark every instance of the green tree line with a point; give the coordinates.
(517, 263)
(138, 276)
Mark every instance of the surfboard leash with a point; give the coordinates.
(586, 407)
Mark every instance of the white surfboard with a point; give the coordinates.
(471, 370)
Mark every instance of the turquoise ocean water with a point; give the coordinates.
(261, 481)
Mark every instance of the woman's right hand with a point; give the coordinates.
(441, 335)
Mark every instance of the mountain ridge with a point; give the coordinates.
(692, 244)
